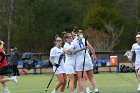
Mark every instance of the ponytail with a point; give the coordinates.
(1, 44)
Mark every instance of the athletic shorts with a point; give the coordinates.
(4, 70)
(60, 70)
(79, 63)
(70, 69)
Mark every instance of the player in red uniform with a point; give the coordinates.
(4, 69)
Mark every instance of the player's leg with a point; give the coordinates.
(3, 80)
(64, 84)
(80, 81)
(4, 71)
(71, 84)
(14, 70)
(75, 83)
(6, 90)
(60, 82)
(17, 71)
(138, 77)
(92, 80)
(85, 79)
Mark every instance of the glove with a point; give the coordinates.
(56, 65)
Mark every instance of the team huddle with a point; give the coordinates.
(72, 63)
(78, 60)
(77, 63)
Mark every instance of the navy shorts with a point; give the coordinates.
(4, 70)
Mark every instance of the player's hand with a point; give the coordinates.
(85, 47)
(57, 65)
(94, 58)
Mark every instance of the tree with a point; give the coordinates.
(110, 24)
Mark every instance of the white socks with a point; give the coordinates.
(6, 88)
(138, 87)
(96, 90)
(54, 91)
(87, 89)
(61, 92)
(75, 90)
(14, 79)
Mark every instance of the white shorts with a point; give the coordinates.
(79, 63)
(60, 70)
(70, 67)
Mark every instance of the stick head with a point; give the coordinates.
(46, 90)
(128, 54)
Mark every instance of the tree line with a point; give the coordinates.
(110, 24)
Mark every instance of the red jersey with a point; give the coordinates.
(5, 61)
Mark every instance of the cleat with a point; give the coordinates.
(15, 79)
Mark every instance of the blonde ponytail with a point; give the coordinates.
(1, 44)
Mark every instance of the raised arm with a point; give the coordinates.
(92, 51)
(74, 51)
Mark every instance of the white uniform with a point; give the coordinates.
(136, 49)
(56, 52)
(69, 60)
(80, 56)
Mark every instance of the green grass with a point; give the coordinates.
(107, 83)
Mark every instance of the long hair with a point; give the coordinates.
(65, 36)
(1, 44)
(57, 37)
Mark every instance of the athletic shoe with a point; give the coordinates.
(96, 91)
(6, 91)
(15, 79)
(88, 90)
(6, 88)
(54, 91)
(138, 88)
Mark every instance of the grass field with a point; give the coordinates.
(107, 83)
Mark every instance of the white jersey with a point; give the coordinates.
(55, 53)
(136, 49)
(69, 60)
(78, 44)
